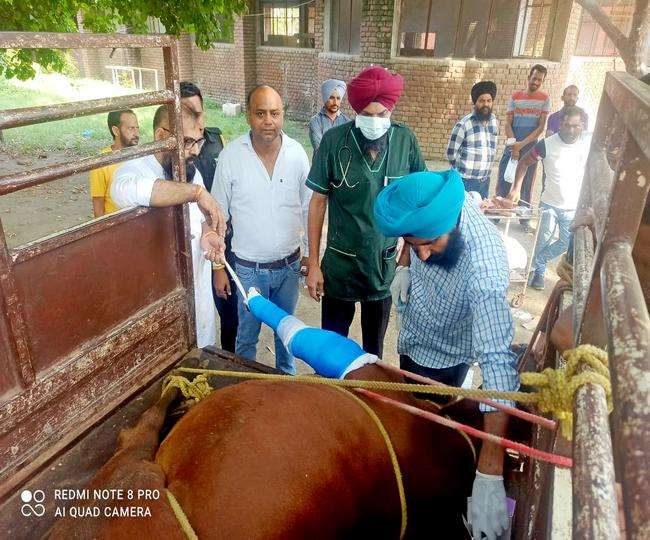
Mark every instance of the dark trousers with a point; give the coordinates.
(481, 186)
(227, 308)
(228, 319)
(452, 376)
(337, 316)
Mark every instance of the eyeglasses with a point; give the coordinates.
(189, 142)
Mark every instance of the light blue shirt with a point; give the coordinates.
(462, 315)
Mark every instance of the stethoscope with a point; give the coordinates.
(344, 171)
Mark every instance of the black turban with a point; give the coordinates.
(483, 87)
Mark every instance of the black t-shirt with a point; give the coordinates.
(206, 161)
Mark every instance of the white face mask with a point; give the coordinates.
(372, 127)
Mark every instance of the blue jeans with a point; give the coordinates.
(547, 248)
(280, 287)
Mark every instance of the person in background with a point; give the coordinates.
(206, 163)
(145, 182)
(569, 98)
(332, 91)
(473, 142)
(260, 184)
(525, 122)
(123, 127)
(456, 311)
(564, 156)
(353, 164)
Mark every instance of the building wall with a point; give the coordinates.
(289, 71)
(588, 74)
(218, 73)
(436, 93)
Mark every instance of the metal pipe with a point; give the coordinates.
(628, 332)
(61, 40)
(595, 514)
(26, 179)
(12, 118)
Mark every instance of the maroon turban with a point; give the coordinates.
(375, 84)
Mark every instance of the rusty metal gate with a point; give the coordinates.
(610, 309)
(92, 314)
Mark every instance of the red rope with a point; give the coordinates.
(524, 415)
(555, 459)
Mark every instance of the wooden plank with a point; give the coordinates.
(61, 40)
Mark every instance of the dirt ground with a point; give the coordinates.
(44, 210)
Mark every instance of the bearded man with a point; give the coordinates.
(144, 181)
(123, 127)
(456, 312)
(354, 163)
(473, 142)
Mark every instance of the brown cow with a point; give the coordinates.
(267, 459)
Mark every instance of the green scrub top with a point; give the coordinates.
(359, 262)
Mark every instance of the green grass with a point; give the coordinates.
(86, 135)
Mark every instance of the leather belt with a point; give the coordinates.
(273, 265)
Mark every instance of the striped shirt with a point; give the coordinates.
(472, 146)
(462, 315)
(527, 109)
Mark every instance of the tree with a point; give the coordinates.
(633, 48)
(207, 19)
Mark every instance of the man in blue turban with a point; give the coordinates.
(332, 91)
(450, 287)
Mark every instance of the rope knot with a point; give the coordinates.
(556, 387)
(197, 389)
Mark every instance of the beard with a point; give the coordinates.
(450, 256)
(190, 168)
(366, 145)
(483, 113)
(129, 142)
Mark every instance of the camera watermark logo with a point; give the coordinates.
(28, 497)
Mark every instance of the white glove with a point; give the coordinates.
(489, 508)
(399, 288)
(399, 291)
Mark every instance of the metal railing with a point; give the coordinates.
(13, 118)
(610, 310)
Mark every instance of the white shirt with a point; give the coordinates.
(269, 214)
(132, 186)
(564, 165)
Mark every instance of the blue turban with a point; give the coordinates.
(422, 204)
(328, 87)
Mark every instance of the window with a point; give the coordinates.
(287, 23)
(592, 40)
(155, 26)
(345, 26)
(476, 28)
(534, 28)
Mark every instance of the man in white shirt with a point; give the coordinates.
(144, 182)
(260, 184)
(564, 156)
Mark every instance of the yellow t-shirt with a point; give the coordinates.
(100, 183)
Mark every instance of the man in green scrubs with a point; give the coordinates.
(354, 163)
